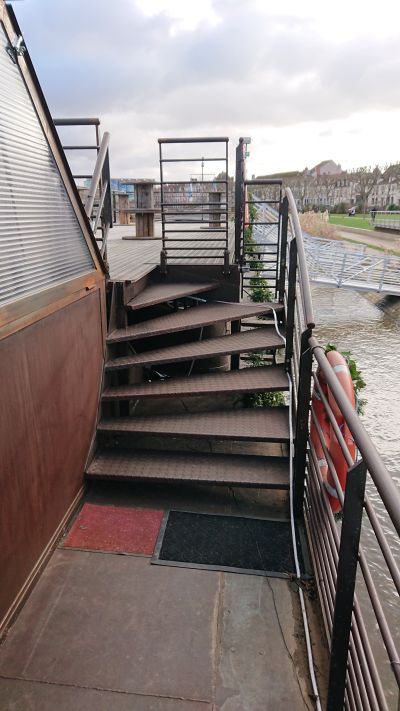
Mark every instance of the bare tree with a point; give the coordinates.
(325, 185)
(366, 178)
(391, 176)
(300, 184)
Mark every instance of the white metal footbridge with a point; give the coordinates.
(337, 263)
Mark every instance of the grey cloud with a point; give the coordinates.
(104, 57)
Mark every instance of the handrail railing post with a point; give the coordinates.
(108, 207)
(302, 263)
(345, 584)
(239, 197)
(97, 174)
(284, 215)
(291, 303)
(302, 428)
(107, 212)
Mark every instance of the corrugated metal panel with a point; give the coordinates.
(41, 241)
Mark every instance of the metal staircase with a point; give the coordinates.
(172, 438)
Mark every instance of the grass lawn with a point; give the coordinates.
(358, 221)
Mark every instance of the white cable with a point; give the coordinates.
(294, 541)
(293, 529)
(193, 361)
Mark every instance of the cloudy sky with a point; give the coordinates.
(306, 80)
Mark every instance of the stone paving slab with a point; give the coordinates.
(115, 622)
(261, 661)
(17, 695)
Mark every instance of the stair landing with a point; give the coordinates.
(154, 637)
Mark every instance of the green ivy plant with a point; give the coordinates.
(259, 290)
(252, 212)
(358, 381)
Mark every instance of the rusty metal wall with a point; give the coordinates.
(51, 376)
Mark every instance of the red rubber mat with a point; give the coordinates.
(115, 529)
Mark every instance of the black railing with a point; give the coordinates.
(98, 200)
(355, 677)
(260, 230)
(194, 213)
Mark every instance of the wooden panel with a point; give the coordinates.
(51, 375)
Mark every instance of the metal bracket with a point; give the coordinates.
(163, 261)
(16, 48)
(227, 268)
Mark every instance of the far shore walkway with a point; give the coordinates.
(382, 240)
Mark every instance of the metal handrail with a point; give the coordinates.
(100, 180)
(101, 183)
(302, 263)
(97, 173)
(351, 652)
(379, 473)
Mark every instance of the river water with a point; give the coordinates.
(352, 322)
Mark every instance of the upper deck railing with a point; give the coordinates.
(358, 677)
(206, 234)
(98, 201)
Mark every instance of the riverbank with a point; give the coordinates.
(380, 241)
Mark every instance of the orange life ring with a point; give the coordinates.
(341, 369)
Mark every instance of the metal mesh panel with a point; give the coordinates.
(41, 242)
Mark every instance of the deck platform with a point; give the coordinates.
(104, 630)
(131, 259)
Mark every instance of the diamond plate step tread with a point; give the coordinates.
(187, 319)
(266, 378)
(223, 469)
(245, 341)
(270, 425)
(160, 293)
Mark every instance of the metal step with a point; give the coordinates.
(267, 378)
(259, 425)
(187, 319)
(244, 342)
(223, 469)
(160, 293)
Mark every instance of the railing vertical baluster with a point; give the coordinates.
(239, 196)
(163, 255)
(284, 214)
(291, 303)
(279, 246)
(107, 216)
(302, 429)
(227, 201)
(345, 584)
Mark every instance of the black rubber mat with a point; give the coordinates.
(227, 542)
